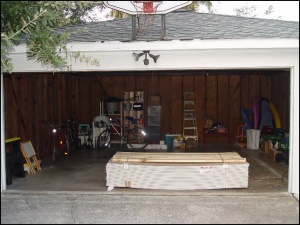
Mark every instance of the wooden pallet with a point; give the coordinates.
(152, 157)
(177, 171)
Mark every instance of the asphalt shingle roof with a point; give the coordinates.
(184, 24)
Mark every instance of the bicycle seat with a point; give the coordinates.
(115, 120)
(61, 127)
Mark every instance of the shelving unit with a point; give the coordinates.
(133, 106)
(154, 123)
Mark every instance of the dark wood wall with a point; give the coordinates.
(31, 98)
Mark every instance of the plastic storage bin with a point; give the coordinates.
(169, 140)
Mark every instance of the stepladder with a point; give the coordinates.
(189, 117)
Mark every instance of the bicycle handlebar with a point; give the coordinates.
(58, 127)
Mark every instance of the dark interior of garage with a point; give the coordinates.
(31, 98)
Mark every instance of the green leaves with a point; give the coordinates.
(34, 22)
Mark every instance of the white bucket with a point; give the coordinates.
(253, 138)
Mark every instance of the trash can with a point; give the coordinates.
(169, 141)
(253, 138)
(14, 159)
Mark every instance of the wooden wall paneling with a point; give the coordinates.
(44, 107)
(165, 95)
(284, 107)
(118, 86)
(143, 85)
(73, 83)
(100, 93)
(24, 106)
(53, 116)
(280, 97)
(10, 101)
(67, 97)
(60, 98)
(32, 114)
(96, 95)
(129, 83)
(31, 98)
(187, 83)
(153, 84)
(84, 115)
(91, 99)
(37, 133)
(176, 105)
(16, 88)
(265, 85)
(246, 102)
(223, 99)
(234, 103)
(108, 85)
(63, 98)
(254, 84)
(199, 92)
(211, 95)
(276, 82)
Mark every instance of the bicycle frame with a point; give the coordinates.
(72, 134)
(124, 136)
(60, 140)
(135, 137)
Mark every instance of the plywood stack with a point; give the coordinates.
(177, 171)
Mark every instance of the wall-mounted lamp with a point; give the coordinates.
(136, 56)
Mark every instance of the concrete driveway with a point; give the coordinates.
(73, 190)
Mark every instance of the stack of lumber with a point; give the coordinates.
(177, 171)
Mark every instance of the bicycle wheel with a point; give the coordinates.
(104, 139)
(74, 144)
(63, 144)
(138, 138)
(54, 151)
(54, 155)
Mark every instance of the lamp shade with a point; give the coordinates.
(154, 57)
(137, 56)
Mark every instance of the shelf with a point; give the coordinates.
(133, 106)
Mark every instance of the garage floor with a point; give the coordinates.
(84, 171)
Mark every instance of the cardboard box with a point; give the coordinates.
(207, 125)
(191, 143)
(221, 130)
(155, 103)
(266, 146)
(209, 122)
(155, 99)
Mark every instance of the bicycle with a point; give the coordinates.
(72, 133)
(60, 140)
(135, 137)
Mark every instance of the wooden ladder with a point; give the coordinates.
(189, 117)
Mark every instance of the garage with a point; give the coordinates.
(225, 68)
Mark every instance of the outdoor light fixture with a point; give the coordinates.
(136, 56)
